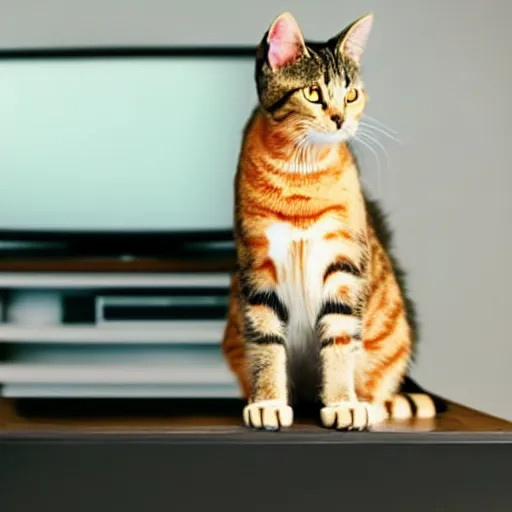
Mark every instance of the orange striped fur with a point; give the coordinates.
(315, 307)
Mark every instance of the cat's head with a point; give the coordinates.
(315, 89)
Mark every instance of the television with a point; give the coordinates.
(123, 146)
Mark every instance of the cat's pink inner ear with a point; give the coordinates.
(285, 41)
(354, 43)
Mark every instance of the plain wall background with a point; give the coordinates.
(439, 72)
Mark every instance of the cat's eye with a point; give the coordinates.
(351, 96)
(313, 94)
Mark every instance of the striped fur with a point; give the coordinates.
(316, 308)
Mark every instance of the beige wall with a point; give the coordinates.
(438, 71)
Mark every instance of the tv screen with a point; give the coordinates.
(122, 144)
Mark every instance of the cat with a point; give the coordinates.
(317, 312)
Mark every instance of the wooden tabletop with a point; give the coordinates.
(190, 456)
(220, 421)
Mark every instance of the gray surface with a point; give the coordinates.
(439, 73)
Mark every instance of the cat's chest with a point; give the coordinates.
(300, 257)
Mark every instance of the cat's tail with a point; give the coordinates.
(412, 401)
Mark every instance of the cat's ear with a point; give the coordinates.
(353, 40)
(285, 42)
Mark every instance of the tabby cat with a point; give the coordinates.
(316, 313)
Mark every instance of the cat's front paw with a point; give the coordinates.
(347, 416)
(268, 415)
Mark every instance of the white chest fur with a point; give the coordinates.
(300, 257)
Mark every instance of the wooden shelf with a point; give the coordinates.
(128, 264)
(199, 457)
(220, 421)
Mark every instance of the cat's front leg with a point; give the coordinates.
(265, 351)
(339, 329)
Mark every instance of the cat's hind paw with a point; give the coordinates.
(268, 415)
(347, 416)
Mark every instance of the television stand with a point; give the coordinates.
(103, 326)
(192, 455)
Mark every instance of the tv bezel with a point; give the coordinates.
(123, 241)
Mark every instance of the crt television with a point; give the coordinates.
(121, 144)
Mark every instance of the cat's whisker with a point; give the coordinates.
(359, 137)
(380, 123)
(374, 140)
(365, 122)
(368, 135)
(378, 129)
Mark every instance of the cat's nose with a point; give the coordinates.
(338, 121)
